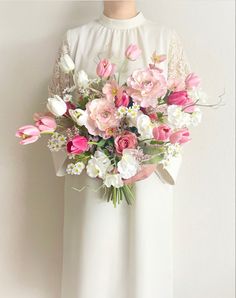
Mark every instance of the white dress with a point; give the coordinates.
(122, 252)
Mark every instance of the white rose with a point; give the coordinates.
(145, 126)
(56, 106)
(113, 180)
(79, 116)
(128, 166)
(81, 79)
(66, 63)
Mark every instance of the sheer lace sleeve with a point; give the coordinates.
(60, 80)
(57, 83)
(178, 64)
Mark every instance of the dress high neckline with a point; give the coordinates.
(135, 21)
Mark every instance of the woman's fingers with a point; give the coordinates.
(144, 173)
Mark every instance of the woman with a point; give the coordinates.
(123, 252)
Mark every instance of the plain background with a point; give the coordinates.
(31, 210)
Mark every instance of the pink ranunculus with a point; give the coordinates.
(162, 132)
(77, 145)
(110, 89)
(180, 136)
(101, 116)
(132, 52)
(46, 124)
(105, 68)
(126, 140)
(192, 81)
(145, 86)
(28, 134)
(122, 98)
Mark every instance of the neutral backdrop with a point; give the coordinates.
(31, 212)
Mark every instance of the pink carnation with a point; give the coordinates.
(146, 86)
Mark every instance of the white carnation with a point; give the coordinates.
(145, 126)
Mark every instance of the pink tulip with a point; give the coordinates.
(162, 132)
(179, 98)
(105, 68)
(121, 99)
(77, 145)
(46, 124)
(182, 136)
(133, 52)
(28, 134)
(192, 81)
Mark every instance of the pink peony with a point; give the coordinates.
(162, 132)
(77, 145)
(126, 140)
(105, 68)
(192, 81)
(101, 116)
(46, 124)
(180, 98)
(133, 52)
(28, 134)
(146, 86)
(180, 136)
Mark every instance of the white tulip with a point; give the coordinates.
(66, 63)
(79, 116)
(113, 180)
(81, 79)
(56, 106)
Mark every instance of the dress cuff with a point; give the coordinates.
(169, 174)
(60, 162)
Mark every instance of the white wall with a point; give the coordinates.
(31, 213)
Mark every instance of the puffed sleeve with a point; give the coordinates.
(58, 82)
(178, 68)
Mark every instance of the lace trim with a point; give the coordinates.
(60, 80)
(178, 64)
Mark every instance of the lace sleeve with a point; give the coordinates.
(59, 79)
(178, 64)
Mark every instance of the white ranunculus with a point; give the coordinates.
(81, 79)
(113, 180)
(56, 106)
(128, 166)
(177, 117)
(196, 117)
(145, 126)
(99, 165)
(79, 116)
(66, 63)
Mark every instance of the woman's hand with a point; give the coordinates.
(145, 172)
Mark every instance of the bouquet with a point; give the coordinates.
(111, 130)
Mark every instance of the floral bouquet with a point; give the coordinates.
(112, 130)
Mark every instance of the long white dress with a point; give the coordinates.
(122, 252)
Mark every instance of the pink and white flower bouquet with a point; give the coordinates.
(111, 130)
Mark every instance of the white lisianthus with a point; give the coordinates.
(56, 106)
(196, 117)
(75, 169)
(66, 63)
(177, 117)
(128, 166)
(113, 180)
(99, 165)
(197, 94)
(144, 126)
(79, 116)
(81, 79)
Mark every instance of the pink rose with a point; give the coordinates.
(181, 136)
(28, 134)
(162, 132)
(192, 81)
(126, 140)
(121, 99)
(46, 124)
(180, 98)
(101, 116)
(146, 86)
(105, 68)
(77, 145)
(133, 52)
